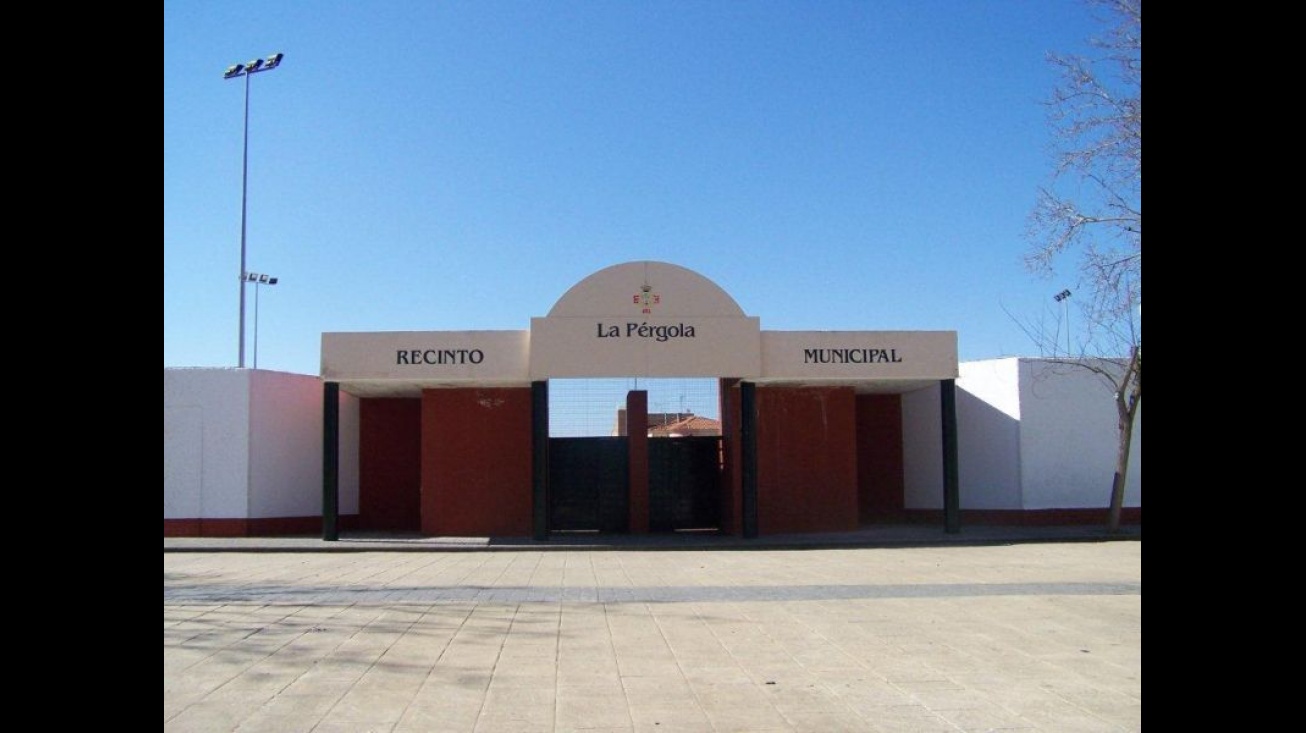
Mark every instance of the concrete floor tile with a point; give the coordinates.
(579, 712)
(903, 715)
(205, 717)
(659, 727)
(816, 721)
(585, 678)
(809, 698)
(949, 699)
(989, 717)
(531, 676)
(532, 712)
(1072, 722)
(172, 707)
(519, 696)
(500, 724)
(675, 708)
(912, 725)
(423, 718)
(332, 726)
(313, 685)
(259, 723)
(649, 667)
(706, 676)
(641, 688)
(370, 707)
(749, 724)
(903, 639)
(299, 706)
(529, 653)
(249, 687)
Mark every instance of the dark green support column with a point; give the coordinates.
(540, 460)
(951, 489)
(748, 440)
(331, 461)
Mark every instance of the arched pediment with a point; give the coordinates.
(646, 288)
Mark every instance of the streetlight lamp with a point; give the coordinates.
(247, 70)
(1061, 298)
(258, 280)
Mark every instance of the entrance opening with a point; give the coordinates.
(590, 457)
(595, 408)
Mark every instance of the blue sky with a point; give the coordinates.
(459, 165)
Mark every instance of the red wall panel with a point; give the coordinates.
(806, 459)
(257, 527)
(879, 457)
(389, 464)
(476, 462)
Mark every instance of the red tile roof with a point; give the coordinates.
(690, 425)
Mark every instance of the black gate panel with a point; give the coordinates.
(589, 484)
(684, 483)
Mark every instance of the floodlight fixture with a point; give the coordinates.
(258, 279)
(246, 70)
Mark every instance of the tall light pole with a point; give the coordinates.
(247, 70)
(1062, 298)
(258, 279)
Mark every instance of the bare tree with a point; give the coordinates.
(1089, 218)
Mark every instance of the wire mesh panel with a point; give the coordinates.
(595, 407)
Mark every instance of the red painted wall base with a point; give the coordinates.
(259, 527)
(1017, 517)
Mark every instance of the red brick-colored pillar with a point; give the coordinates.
(637, 453)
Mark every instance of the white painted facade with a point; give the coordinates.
(1032, 434)
(637, 319)
(1038, 434)
(988, 435)
(205, 443)
(247, 444)
(897, 357)
(434, 358)
(922, 449)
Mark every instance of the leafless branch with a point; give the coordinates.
(1091, 211)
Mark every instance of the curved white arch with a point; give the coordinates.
(672, 291)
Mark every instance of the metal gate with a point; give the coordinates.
(684, 483)
(588, 484)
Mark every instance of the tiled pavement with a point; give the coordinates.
(1028, 636)
(889, 535)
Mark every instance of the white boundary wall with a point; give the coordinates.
(1032, 434)
(1068, 438)
(1036, 434)
(241, 443)
(989, 432)
(205, 443)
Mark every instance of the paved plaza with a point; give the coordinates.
(1043, 636)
